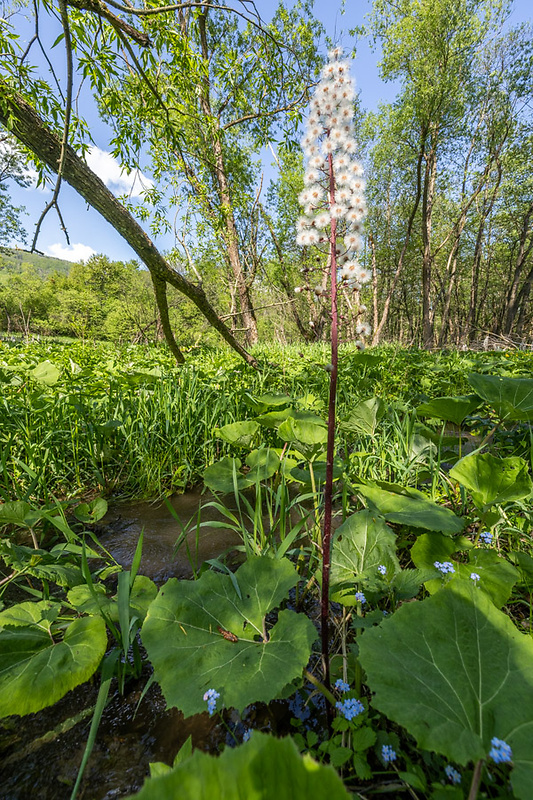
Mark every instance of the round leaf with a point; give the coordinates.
(184, 636)
(263, 768)
(36, 672)
(451, 409)
(454, 671)
(409, 507)
(238, 433)
(511, 397)
(493, 480)
(361, 544)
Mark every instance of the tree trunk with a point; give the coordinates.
(249, 321)
(524, 250)
(428, 198)
(399, 267)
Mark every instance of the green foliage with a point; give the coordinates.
(361, 544)
(466, 679)
(409, 507)
(41, 662)
(264, 767)
(512, 398)
(492, 480)
(184, 636)
(450, 409)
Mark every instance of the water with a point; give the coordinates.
(40, 754)
(120, 529)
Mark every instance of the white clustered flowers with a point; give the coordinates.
(329, 141)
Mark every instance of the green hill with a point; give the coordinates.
(14, 261)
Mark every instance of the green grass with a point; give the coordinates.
(127, 420)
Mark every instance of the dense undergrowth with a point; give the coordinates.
(85, 417)
(433, 499)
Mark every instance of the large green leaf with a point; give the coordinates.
(40, 563)
(238, 433)
(408, 506)
(303, 431)
(496, 575)
(183, 634)
(41, 613)
(225, 476)
(493, 480)
(142, 593)
(19, 513)
(361, 544)
(454, 671)
(450, 409)
(46, 373)
(263, 768)
(263, 463)
(511, 397)
(36, 671)
(364, 417)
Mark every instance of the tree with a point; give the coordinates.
(432, 46)
(174, 88)
(12, 167)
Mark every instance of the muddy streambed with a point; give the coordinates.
(120, 529)
(40, 754)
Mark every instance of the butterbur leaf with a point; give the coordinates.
(36, 671)
(263, 463)
(408, 506)
(202, 634)
(493, 480)
(238, 433)
(450, 409)
(19, 513)
(46, 373)
(364, 417)
(141, 595)
(406, 584)
(89, 513)
(225, 476)
(361, 544)
(511, 397)
(262, 768)
(428, 548)
(42, 613)
(455, 672)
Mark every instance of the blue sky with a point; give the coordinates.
(90, 233)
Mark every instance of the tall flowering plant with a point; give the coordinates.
(334, 211)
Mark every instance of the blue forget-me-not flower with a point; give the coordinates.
(388, 754)
(501, 752)
(350, 707)
(211, 697)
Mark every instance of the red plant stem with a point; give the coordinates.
(328, 490)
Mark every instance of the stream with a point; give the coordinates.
(40, 754)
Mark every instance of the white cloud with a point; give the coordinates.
(73, 252)
(114, 176)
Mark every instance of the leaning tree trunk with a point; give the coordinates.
(31, 130)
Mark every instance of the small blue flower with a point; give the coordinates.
(350, 708)
(246, 735)
(388, 754)
(342, 686)
(446, 567)
(501, 752)
(452, 774)
(486, 537)
(360, 597)
(474, 576)
(211, 697)
(382, 569)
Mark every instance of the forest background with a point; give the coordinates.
(192, 107)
